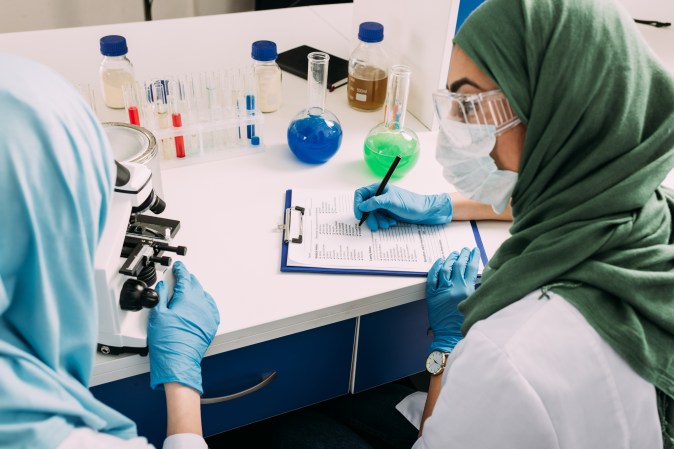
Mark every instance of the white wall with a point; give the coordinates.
(27, 15)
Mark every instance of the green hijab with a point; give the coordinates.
(591, 221)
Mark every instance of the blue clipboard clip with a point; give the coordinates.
(286, 224)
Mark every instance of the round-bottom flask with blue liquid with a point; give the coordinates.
(315, 134)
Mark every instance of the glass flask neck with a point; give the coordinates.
(317, 77)
(397, 91)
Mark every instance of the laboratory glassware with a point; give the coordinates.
(268, 75)
(204, 114)
(391, 138)
(87, 93)
(133, 103)
(368, 69)
(116, 70)
(176, 101)
(315, 134)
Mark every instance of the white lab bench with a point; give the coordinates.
(322, 334)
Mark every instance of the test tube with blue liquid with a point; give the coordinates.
(250, 87)
(250, 111)
(315, 134)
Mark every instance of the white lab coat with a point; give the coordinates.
(85, 438)
(537, 375)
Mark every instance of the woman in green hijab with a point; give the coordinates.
(560, 107)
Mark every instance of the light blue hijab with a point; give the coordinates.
(56, 179)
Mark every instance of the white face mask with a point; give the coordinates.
(463, 151)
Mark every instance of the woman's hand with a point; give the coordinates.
(449, 282)
(397, 204)
(180, 331)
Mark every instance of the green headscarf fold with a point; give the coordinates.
(590, 220)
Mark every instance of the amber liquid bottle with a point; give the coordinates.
(368, 69)
(367, 88)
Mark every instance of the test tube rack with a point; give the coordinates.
(199, 116)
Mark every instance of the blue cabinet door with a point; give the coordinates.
(310, 367)
(392, 344)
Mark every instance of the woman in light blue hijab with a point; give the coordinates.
(56, 180)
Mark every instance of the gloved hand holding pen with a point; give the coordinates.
(396, 204)
(180, 331)
(449, 282)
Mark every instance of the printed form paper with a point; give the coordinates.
(333, 239)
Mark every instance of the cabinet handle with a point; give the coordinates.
(266, 380)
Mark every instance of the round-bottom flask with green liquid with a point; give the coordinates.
(390, 139)
(382, 145)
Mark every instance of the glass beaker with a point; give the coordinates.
(315, 134)
(389, 139)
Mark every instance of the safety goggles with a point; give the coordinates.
(489, 109)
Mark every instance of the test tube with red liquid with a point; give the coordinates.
(176, 98)
(132, 103)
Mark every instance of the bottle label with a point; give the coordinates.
(367, 93)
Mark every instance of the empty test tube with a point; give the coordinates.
(87, 93)
(238, 100)
(216, 110)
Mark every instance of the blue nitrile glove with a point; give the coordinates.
(397, 204)
(179, 331)
(449, 282)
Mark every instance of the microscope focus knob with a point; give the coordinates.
(180, 250)
(162, 260)
(150, 298)
(135, 295)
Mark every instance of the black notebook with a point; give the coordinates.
(295, 61)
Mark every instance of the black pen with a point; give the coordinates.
(382, 186)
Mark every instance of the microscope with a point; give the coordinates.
(130, 259)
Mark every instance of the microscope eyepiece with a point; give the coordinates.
(153, 203)
(123, 175)
(158, 205)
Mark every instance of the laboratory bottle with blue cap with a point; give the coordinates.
(268, 75)
(368, 69)
(116, 71)
(315, 134)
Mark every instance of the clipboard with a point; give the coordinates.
(296, 212)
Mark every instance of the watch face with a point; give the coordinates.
(435, 362)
